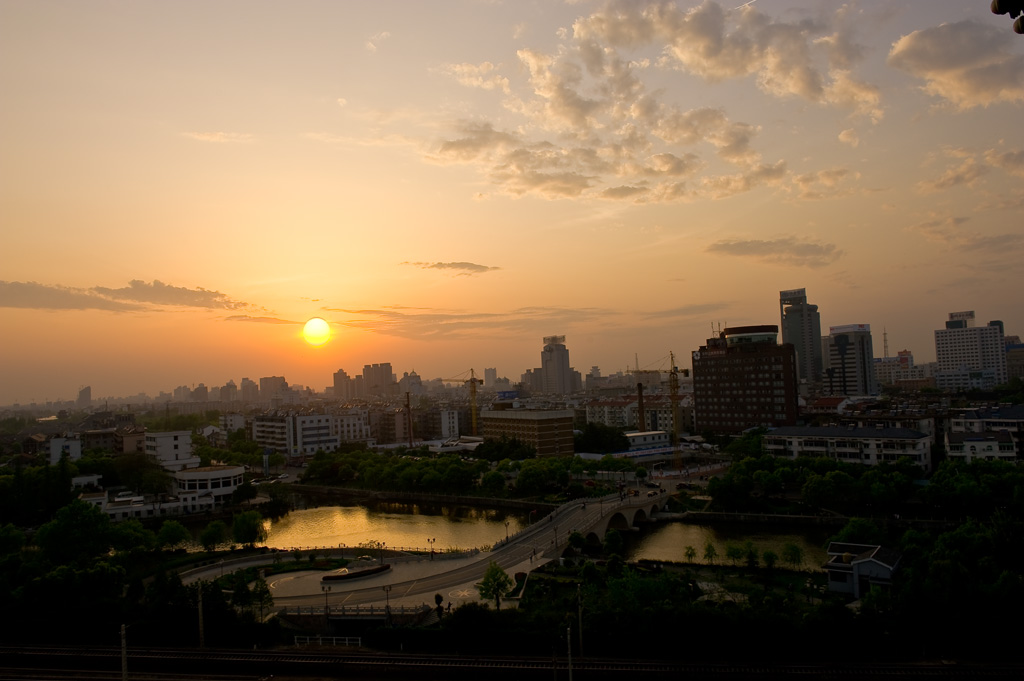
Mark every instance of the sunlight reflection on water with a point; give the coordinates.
(398, 525)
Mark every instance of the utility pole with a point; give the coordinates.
(579, 603)
(202, 634)
(568, 642)
(124, 654)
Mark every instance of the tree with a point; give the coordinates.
(613, 543)
(130, 534)
(691, 554)
(492, 484)
(859, 531)
(495, 584)
(600, 439)
(793, 555)
(734, 554)
(78, 531)
(213, 534)
(261, 596)
(171, 534)
(770, 559)
(247, 528)
(710, 553)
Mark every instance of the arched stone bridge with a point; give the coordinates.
(591, 517)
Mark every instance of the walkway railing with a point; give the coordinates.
(328, 641)
(356, 610)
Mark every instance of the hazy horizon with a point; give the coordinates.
(183, 185)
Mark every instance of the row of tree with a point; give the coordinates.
(416, 471)
(81, 562)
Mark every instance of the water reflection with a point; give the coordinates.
(668, 541)
(409, 525)
(397, 524)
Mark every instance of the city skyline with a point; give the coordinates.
(183, 187)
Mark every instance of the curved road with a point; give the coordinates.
(412, 580)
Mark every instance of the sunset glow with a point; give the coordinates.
(449, 182)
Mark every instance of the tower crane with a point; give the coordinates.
(472, 381)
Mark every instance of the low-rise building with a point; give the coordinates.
(852, 444)
(991, 445)
(172, 450)
(855, 568)
(550, 432)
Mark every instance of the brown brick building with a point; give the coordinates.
(744, 379)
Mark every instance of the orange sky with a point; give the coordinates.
(183, 185)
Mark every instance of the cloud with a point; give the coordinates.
(589, 125)
(949, 232)
(342, 102)
(374, 40)
(258, 320)
(849, 136)
(137, 296)
(781, 251)
(32, 295)
(478, 75)
(688, 311)
(462, 268)
(477, 140)
(716, 44)
(724, 186)
(822, 184)
(1010, 161)
(966, 173)
(966, 63)
(220, 137)
(940, 230)
(421, 324)
(160, 293)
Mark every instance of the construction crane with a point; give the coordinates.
(472, 381)
(673, 393)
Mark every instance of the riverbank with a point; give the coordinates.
(353, 494)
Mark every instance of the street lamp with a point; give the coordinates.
(381, 546)
(326, 588)
(387, 604)
(431, 542)
(506, 531)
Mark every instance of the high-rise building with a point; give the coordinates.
(968, 356)
(84, 400)
(490, 377)
(744, 379)
(250, 390)
(272, 386)
(344, 386)
(229, 392)
(557, 377)
(378, 379)
(851, 361)
(801, 326)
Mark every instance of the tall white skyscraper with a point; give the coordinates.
(970, 356)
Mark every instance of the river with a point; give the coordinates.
(410, 526)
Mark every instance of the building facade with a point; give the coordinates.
(851, 361)
(744, 379)
(801, 326)
(852, 444)
(969, 357)
(550, 432)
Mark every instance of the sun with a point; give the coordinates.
(316, 331)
